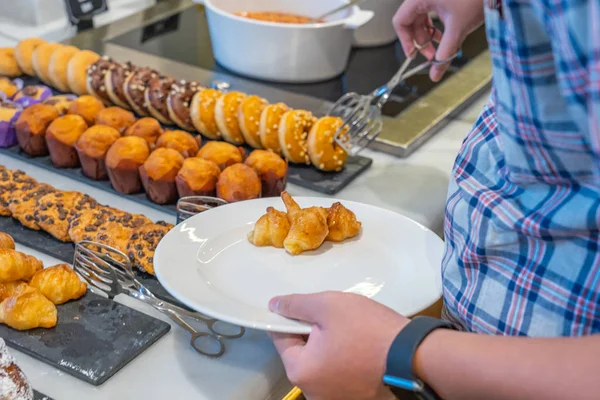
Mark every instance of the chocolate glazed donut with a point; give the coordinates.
(95, 79)
(114, 81)
(135, 87)
(178, 103)
(156, 98)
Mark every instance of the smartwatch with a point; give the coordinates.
(399, 370)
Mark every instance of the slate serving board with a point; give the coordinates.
(39, 396)
(47, 244)
(94, 338)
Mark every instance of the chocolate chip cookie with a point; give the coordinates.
(10, 181)
(23, 202)
(53, 211)
(142, 245)
(84, 224)
(116, 231)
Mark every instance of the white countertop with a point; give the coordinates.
(415, 187)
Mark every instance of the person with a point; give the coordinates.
(521, 272)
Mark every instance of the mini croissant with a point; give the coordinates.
(17, 266)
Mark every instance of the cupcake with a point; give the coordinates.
(61, 102)
(31, 95)
(221, 153)
(182, 141)
(158, 175)
(9, 113)
(237, 183)
(197, 177)
(61, 136)
(31, 128)
(148, 129)
(123, 160)
(271, 170)
(86, 107)
(92, 147)
(116, 118)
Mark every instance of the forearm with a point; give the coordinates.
(469, 366)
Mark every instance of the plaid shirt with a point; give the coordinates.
(523, 213)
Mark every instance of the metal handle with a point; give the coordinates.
(195, 336)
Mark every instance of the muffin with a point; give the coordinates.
(123, 160)
(31, 128)
(221, 153)
(237, 183)
(86, 107)
(271, 169)
(182, 141)
(116, 117)
(92, 147)
(197, 177)
(158, 175)
(147, 128)
(9, 114)
(61, 136)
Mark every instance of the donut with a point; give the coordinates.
(324, 152)
(293, 134)
(269, 126)
(156, 98)
(114, 80)
(95, 79)
(249, 114)
(41, 60)
(8, 63)
(57, 70)
(24, 54)
(134, 89)
(178, 103)
(226, 116)
(202, 111)
(77, 71)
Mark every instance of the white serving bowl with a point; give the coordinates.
(291, 53)
(380, 30)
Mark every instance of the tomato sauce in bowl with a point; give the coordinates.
(278, 17)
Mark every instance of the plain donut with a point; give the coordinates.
(8, 63)
(24, 54)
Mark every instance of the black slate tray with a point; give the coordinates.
(47, 244)
(94, 338)
(39, 396)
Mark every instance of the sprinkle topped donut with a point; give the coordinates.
(269, 126)
(249, 114)
(324, 152)
(226, 115)
(202, 111)
(293, 134)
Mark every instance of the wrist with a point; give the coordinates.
(428, 352)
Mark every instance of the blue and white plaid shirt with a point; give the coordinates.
(523, 213)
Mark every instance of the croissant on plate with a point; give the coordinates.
(17, 266)
(28, 310)
(342, 223)
(308, 227)
(271, 229)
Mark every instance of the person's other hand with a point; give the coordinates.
(345, 355)
(413, 25)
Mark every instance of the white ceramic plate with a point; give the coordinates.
(208, 264)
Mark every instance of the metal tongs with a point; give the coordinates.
(362, 113)
(109, 270)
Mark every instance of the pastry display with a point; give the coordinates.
(96, 75)
(6, 241)
(293, 135)
(249, 113)
(123, 161)
(23, 202)
(28, 310)
(57, 69)
(61, 136)
(135, 88)
(271, 229)
(31, 95)
(158, 175)
(53, 210)
(86, 107)
(269, 126)
(271, 169)
(178, 103)
(342, 223)
(9, 114)
(156, 95)
(143, 243)
(10, 181)
(84, 224)
(116, 118)
(77, 71)
(147, 128)
(41, 60)
(226, 117)
(58, 284)
(181, 141)
(202, 112)
(197, 177)
(8, 63)
(324, 152)
(13, 381)
(17, 266)
(114, 80)
(24, 54)
(31, 128)
(9, 87)
(308, 227)
(62, 102)
(237, 183)
(221, 153)
(15, 288)
(117, 231)
(92, 147)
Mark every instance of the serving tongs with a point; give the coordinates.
(109, 270)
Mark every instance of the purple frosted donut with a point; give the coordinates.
(9, 113)
(31, 95)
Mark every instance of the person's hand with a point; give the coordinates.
(344, 357)
(413, 25)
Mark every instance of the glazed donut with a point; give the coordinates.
(8, 63)
(8, 87)
(226, 116)
(202, 111)
(114, 80)
(95, 79)
(178, 103)
(134, 89)
(293, 134)
(24, 54)
(59, 63)
(41, 60)
(324, 152)
(269, 126)
(77, 71)
(249, 114)
(156, 98)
